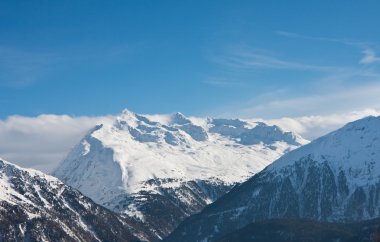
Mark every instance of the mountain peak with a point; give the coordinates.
(370, 122)
(350, 146)
(127, 112)
(179, 118)
(126, 115)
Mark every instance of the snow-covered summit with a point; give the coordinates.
(353, 147)
(144, 147)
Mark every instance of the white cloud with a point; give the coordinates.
(42, 142)
(314, 126)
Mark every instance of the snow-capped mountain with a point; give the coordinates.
(334, 178)
(161, 169)
(39, 207)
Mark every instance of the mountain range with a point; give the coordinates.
(177, 178)
(160, 169)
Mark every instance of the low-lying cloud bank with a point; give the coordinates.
(42, 142)
(314, 126)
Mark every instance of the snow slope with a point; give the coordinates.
(185, 163)
(334, 178)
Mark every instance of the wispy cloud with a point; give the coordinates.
(223, 82)
(316, 38)
(246, 58)
(323, 102)
(369, 57)
(335, 89)
(20, 68)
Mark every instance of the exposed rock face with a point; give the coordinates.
(334, 178)
(162, 212)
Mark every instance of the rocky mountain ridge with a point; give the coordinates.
(39, 207)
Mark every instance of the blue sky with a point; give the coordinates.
(265, 59)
